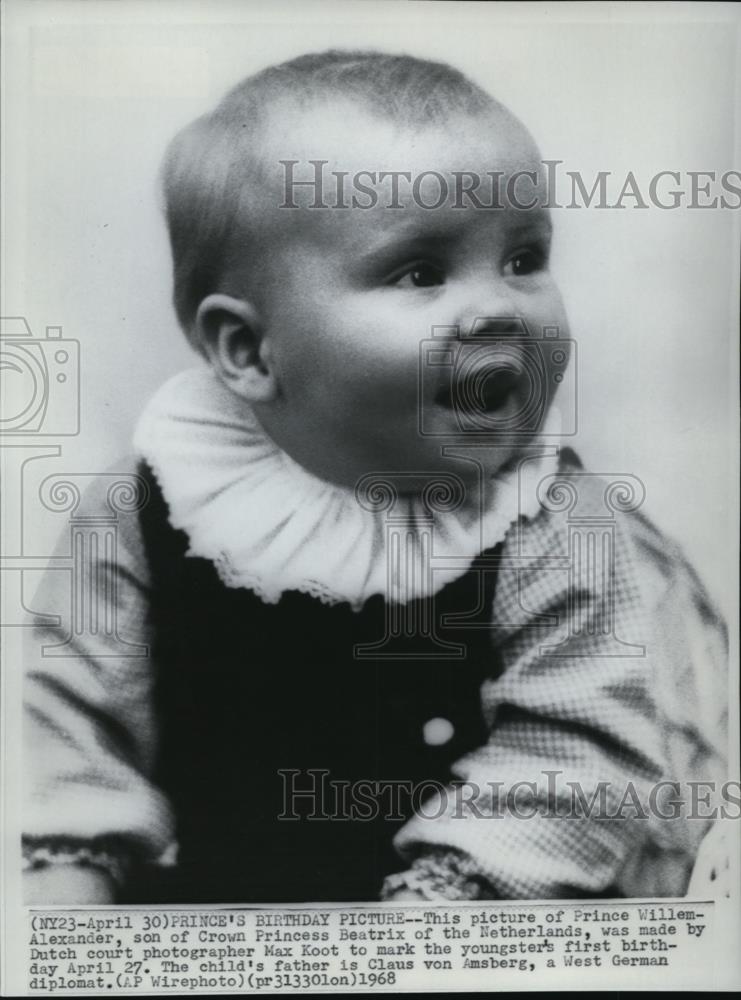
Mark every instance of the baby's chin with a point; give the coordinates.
(407, 464)
(460, 473)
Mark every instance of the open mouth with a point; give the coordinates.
(488, 392)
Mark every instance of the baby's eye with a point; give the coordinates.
(422, 275)
(527, 261)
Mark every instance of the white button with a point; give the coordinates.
(436, 732)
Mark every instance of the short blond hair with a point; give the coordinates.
(209, 163)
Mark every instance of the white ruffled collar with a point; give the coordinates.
(271, 526)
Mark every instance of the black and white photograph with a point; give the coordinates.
(369, 442)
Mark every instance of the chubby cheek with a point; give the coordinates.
(551, 311)
(355, 359)
(555, 354)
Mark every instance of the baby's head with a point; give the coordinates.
(326, 219)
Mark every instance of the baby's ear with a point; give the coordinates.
(229, 332)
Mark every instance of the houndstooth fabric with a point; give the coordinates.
(613, 676)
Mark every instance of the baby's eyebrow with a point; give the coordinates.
(410, 237)
(392, 245)
(535, 222)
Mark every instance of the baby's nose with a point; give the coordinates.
(488, 307)
(494, 326)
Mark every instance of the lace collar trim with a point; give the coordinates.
(271, 526)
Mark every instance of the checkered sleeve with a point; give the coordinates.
(89, 731)
(559, 802)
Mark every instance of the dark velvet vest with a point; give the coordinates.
(258, 701)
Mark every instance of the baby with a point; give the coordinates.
(384, 639)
